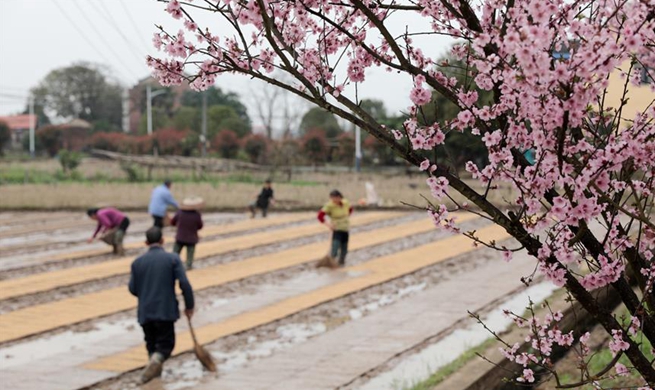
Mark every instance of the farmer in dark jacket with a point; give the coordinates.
(152, 281)
(188, 221)
(264, 199)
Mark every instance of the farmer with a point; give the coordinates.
(188, 221)
(112, 224)
(338, 210)
(152, 281)
(264, 198)
(160, 199)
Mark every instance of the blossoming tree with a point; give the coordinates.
(594, 162)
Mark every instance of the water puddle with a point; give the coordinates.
(189, 373)
(43, 348)
(384, 300)
(420, 366)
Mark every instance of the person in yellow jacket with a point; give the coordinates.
(338, 210)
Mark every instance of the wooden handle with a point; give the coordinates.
(193, 334)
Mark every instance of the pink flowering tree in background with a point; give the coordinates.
(583, 209)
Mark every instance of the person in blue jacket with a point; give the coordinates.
(160, 199)
(152, 281)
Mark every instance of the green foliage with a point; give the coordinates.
(225, 118)
(375, 108)
(82, 90)
(318, 118)
(69, 160)
(5, 137)
(187, 118)
(216, 97)
(160, 120)
(132, 172)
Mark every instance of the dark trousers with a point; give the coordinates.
(340, 245)
(158, 221)
(253, 209)
(160, 337)
(125, 223)
(190, 250)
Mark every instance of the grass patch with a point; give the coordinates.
(452, 367)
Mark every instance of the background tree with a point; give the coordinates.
(315, 146)
(82, 90)
(286, 153)
(256, 147)
(160, 120)
(50, 138)
(318, 118)
(226, 143)
(221, 117)
(69, 160)
(187, 118)
(216, 97)
(5, 137)
(345, 151)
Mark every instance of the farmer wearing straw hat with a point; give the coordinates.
(188, 221)
(152, 281)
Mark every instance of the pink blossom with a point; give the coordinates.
(618, 344)
(424, 165)
(621, 370)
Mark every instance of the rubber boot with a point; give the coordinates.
(153, 369)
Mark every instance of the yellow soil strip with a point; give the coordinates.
(240, 226)
(65, 277)
(376, 272)
(29, 321)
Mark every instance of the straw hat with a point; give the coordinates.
(192, 203)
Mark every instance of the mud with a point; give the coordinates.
(237, 350)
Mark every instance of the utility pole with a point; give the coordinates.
(203, 135)
(32, 125)
(126, 111)
(358, 149)
(149, 96)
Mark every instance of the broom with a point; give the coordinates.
(201, 353)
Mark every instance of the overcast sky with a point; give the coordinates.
(37, 36)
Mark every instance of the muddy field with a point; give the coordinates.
(68, 323)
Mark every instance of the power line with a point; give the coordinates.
(83, 35)
(107, 44)
(136, 29)
(110, 19)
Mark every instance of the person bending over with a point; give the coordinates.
(112, 224)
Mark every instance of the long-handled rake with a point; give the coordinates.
(201, 353)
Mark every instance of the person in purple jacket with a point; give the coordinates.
(112, 224)
(188, 221)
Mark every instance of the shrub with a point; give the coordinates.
(51, 138)
(226, 143)
(315, 146)
(69, 160)
(5, 137)
(256, 147)
(131, 171)
(169, 141)
(345, 152)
